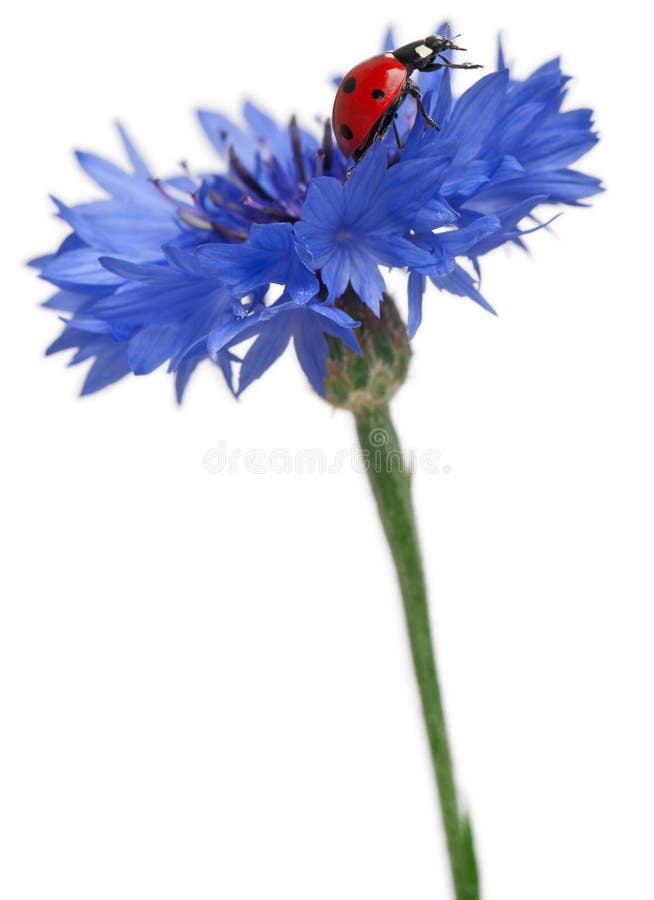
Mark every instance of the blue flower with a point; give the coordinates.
(184, 270)
(348, 230)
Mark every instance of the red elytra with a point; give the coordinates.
(365, 94)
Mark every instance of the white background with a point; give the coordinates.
(205, 686)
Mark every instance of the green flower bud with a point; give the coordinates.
(362, 382)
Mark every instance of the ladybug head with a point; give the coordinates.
(425, 55)
(438, 43)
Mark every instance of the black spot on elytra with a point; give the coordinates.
(349, 84)
(377, 94)
(346, 131)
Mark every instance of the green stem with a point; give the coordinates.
(391, 485)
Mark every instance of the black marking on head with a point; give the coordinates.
(347, 133)
(349, 85)
(377, 94)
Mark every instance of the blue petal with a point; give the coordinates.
(150, 348)
(107, 368)
(337, 323)
(223, 134)
(501, 64)
(459, 282)
(365, 182)
(461, 241)
(184, 372)
(416, 289)
(66, 301)
(268, 258)
(139, 165)
(311, 349)
(476, 112)
(389, 40)
(232, 332)
(368, 283)
(79, 267)
(265, 350)
(119, 228)
(324, 203)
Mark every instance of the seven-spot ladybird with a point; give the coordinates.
(369, 96)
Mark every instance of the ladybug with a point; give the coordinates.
(369, 96)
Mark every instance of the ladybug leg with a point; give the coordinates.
(378, 133)
(415, 92)
(446, 64)
(380, 128)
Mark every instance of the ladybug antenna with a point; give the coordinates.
(453, 46)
